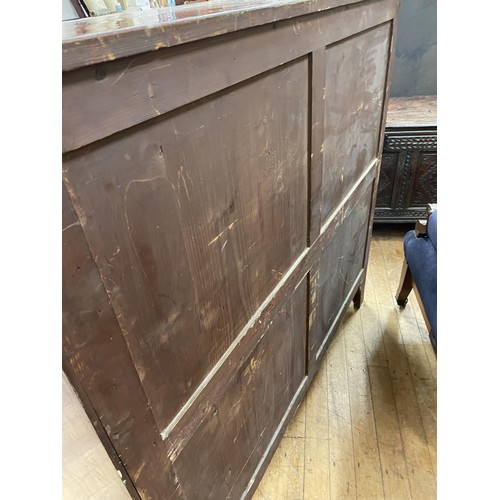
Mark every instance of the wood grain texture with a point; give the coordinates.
(392, 456)
(414, 111)
(107, 38)
(369, 480)
(98, 364)
(317, 109)
(421, 364)
(417, 455)
(207, 219)
(240, 426)
(339, 269)
(342, 464)
(381, 424)
(216, 385)
(101, 100)
(211, 276)
(87, 471)
(360, 61)
(285, 479)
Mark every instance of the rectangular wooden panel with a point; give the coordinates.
(387, 178)
(413, 179)
(425, 184)
(98, 363)
(195, 217)
(355, 85)
(339, 270)
(218, 461)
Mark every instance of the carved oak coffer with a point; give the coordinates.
(408, 174)
(220, 167)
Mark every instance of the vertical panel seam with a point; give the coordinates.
(310, 60)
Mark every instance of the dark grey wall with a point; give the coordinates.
(415, 65)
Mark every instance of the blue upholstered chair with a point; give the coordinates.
(420, 270)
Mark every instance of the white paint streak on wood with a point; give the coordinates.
(120, 76)
(77, 223)
(228, 228)
(255, 317)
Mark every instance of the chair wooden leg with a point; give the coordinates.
(405, 285)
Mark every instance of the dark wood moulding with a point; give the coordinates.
(220, 168)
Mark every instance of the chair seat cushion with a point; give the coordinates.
(421, 255)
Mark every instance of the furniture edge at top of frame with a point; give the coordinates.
(95, 40)
(411, 112)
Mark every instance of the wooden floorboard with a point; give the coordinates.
(342, 468)
(87, 470)
(367, 426)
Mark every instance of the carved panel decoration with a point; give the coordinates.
(426, 180)
(409, 143)
(387, 178)
(408, 174)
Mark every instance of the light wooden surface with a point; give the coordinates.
(87, 473)
(416, 111)
(367, 427)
